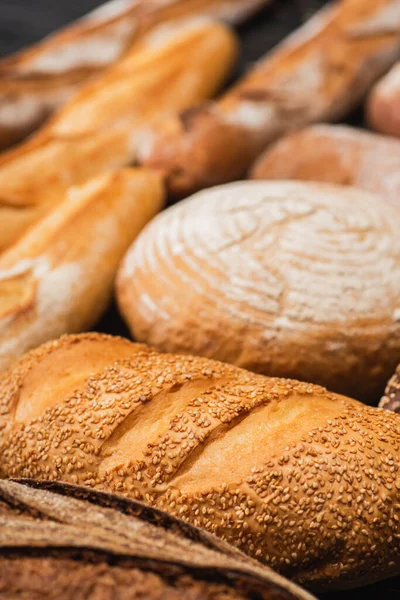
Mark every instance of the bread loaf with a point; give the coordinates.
(383, 106)
(391, 399)
(335, 154)
(35, 81)
(281, 278)
(59, 276)
(302, 479)
(77, 544)
(318, 74)
(96, 131)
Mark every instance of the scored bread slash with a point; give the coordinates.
(273, 466)
(36, 81)
(58, 277)
(77, 543)
(335, 154)
(317, 74)
(97, 130)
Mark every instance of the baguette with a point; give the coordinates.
(96, 131)
(383, 106)
(335, 154)
(287, 279)
(79, 544)
(317, 74)
(295, 476)
(36, 81)
(59, 276)
(391, 398)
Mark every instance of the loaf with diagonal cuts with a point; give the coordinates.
(97, 130)
(302, 479)
(58, 277)
(37, 80)
(317, 74)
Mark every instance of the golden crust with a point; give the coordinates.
(335, 154)
(37, 80)
(300, 478)
(97, 131)
(278, 277)
(383, 104)
(58, 277)
(317, 74)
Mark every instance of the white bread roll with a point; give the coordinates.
(287, 279)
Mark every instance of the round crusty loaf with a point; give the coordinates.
(300, 478)
(391, 398)
(287, 279)
(59, 541)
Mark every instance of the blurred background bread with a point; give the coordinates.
(288, 279)
(302, 479)
(96, 131)
(319, 73)
(59, 276)
(64, 541)
(383, 107)
(335, 154)
(391, 398)
(37, 80)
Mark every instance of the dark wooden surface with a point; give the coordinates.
(23, 22)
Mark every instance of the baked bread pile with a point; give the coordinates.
(266, 311)
(293, 475)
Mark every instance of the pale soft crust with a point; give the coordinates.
(278, 277)
(383, 104)
(36, 81)
(317, 74)
(58, 277)
(335, 154)
(97, 131)
(300, 478)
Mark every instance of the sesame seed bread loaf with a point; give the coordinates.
(318, 74)
(383, 106)
(78, 544)
(59, 276)
(288, 279)
(335, 154)
(391, 399)
(302, 479)
(96, 130)
(37, 80)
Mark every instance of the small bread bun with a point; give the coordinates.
(287, 279)
(391, 399)
(335, 154)
(302, 479)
